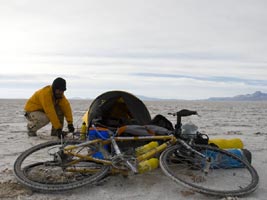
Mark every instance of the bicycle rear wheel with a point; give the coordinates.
(45, 168)
(187, 168)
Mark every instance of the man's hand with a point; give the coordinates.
(71, 128)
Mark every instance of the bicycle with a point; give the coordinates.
(70, 164)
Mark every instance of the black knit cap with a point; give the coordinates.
(59, 83)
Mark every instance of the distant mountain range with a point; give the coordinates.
(256, 96)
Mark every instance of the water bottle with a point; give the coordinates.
(83, 131)
(226, 162)
(143, 149)
(148, 165)
(233, 143)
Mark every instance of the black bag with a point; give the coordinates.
(162, 121)
(201, 139)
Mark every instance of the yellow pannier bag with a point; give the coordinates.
(227, 143)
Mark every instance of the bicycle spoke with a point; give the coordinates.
(45, 168)
(219, 179)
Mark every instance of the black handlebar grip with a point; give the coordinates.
(185, 112)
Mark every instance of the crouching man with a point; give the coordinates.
(49, 104)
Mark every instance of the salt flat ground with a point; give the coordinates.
(245, 120)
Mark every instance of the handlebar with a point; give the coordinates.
(179, 115)
(184, 113)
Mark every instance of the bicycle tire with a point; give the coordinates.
(37, 182)
(187, 169)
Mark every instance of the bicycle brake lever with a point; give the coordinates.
(173, 114)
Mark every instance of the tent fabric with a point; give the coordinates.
(118, 108)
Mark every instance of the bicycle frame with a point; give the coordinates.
(170, 140)
(73, 150)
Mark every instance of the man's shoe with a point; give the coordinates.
(53, 132)
(32, 134)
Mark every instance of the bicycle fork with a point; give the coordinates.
(120, 155)
(207, 159)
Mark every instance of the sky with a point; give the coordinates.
(170, 49)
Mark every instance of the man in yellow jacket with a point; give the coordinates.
(49, 104)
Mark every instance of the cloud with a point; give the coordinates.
(176, 26)
(152, 47)
(216, 79)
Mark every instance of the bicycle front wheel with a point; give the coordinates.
(220, 179)
(46, 168)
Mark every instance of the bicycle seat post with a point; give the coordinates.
(178, 125)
